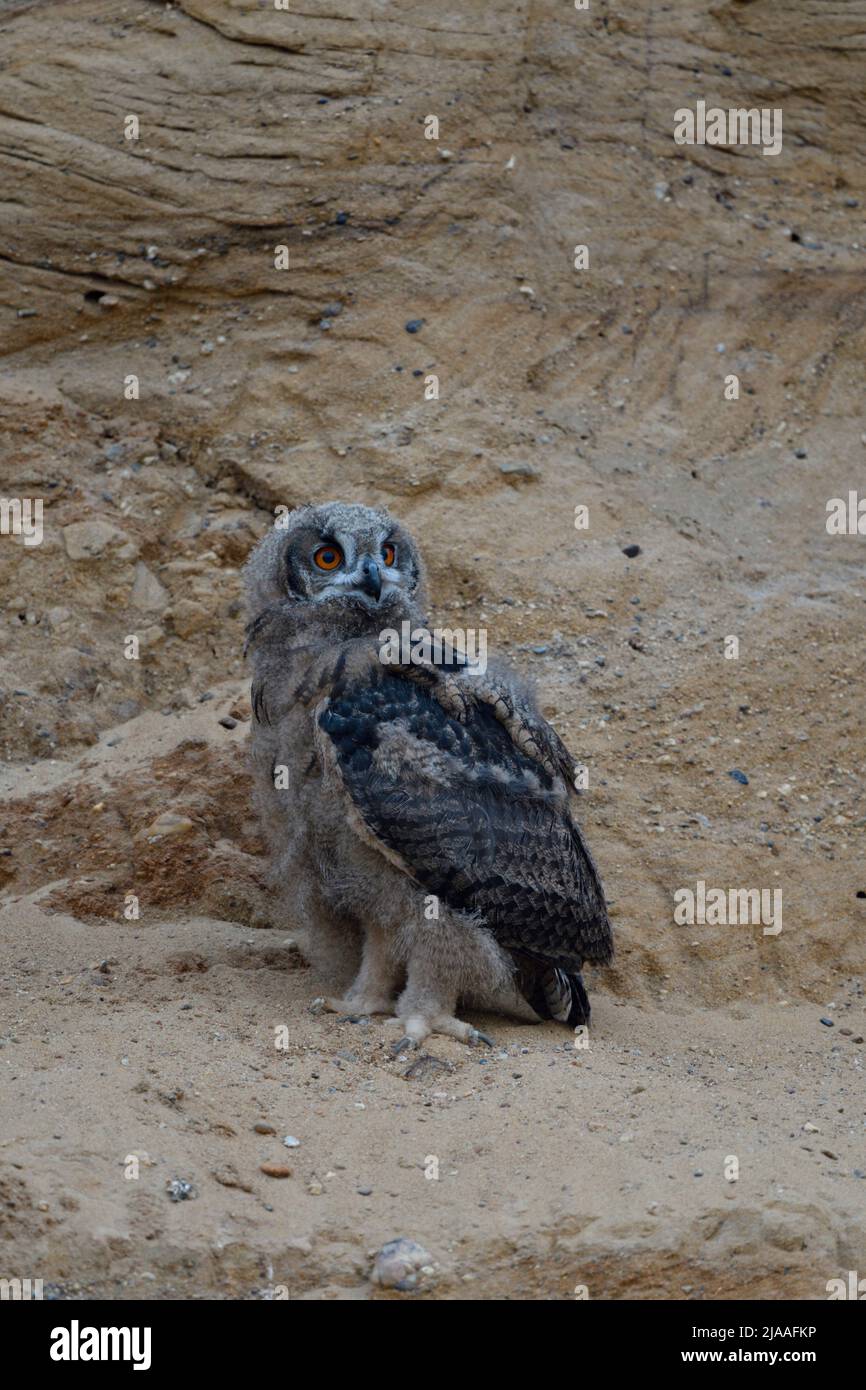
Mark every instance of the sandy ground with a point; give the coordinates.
(551, 1169)
(154, 1035)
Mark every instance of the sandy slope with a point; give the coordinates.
(557, 1167)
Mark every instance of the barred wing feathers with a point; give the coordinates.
(475, 821)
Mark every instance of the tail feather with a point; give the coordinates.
(554, 993)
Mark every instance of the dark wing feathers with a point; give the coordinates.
(476, 821)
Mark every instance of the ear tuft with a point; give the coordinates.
(264, 573)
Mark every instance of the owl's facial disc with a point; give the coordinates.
(365, 574)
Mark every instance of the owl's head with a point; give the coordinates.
(351, 562)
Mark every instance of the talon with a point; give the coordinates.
(398, 1047)
(476, 1037)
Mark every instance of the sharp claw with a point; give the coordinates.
(476, 1036)
(398, 1047)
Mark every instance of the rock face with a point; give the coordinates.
(147, 593)
(236, 274)
(88, 540)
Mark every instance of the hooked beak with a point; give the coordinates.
(371, 579)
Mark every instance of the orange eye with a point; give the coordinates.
(328, 557)
(389, 553)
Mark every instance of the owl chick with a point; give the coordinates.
(416, 807)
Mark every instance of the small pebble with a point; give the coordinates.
(518, 469)
(398, 1264)
(179, 1190)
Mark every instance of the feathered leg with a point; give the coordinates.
(375, 986)
(427, 1006)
